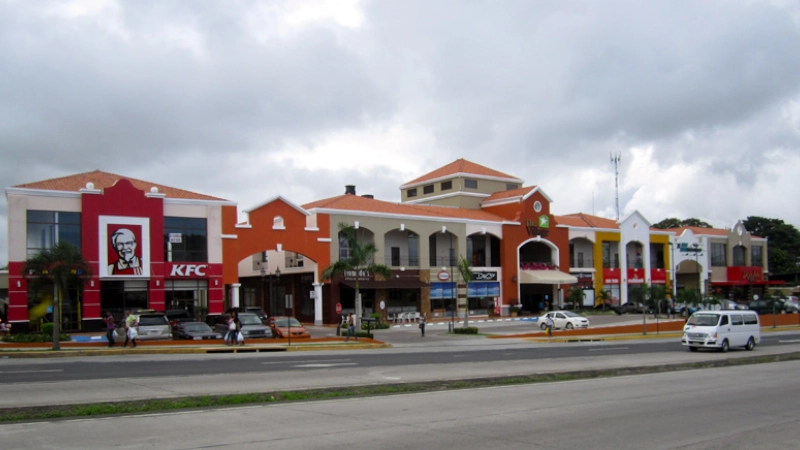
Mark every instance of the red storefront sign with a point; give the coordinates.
(749, 274)
(611, 276)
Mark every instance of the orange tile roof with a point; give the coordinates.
(349, 202)
(461, 166)
(519, 192)
(103, 180)
(585, 221)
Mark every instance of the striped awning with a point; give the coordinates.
(546, 277)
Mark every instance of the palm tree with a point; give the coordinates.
(359, 258)
(465, 270)
(576, 296)
(63, 267)
(604, 297)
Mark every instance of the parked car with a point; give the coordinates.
(262, 316)
(631, 308)
(767, 306)
(177, 316)
(281, 326)
(564, 320)
(251, 326)
(152, 325)
(791, 305)
(196, 331)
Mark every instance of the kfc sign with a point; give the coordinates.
(188, 270)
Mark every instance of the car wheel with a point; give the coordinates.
(569, 326)
(543, 326)
(751, 344)
(725, 346)
(692, 349)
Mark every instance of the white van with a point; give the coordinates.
(722, 330)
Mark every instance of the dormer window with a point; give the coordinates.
(411, 193)
(427, 189)
(447, 185)
(470, 184)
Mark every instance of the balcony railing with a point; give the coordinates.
(538, 265)
(443, 261)
(581, 262)
(396, 261)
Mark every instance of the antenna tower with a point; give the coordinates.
(615, 159)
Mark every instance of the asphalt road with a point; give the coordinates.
(699, 409)
(498, 353)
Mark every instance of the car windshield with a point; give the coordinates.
(703, 320)
(283, 322)
(197, 327)
(249, 319)
(149, 321)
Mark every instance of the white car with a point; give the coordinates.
(564, 319)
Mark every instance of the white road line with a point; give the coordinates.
(326, 365)
(607, 349)
(788, 341)
(307, 361)
(3, 372)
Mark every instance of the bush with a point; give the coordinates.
(47, 328)
(374, 326)
(465, 330)
(34, 337)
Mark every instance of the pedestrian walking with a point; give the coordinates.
(422, 324)
(110, 329)
(239, 337)
(549, 325)
(351, 327)
(230, 336)
(131, 333)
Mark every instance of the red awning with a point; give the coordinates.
(747, 283)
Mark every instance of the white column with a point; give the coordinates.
(235, 295)
(317, 304)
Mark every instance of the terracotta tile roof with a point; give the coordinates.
(699, 231)
(103, 180)
(349, 202)
(461, 166)
(586, 221)
(519, 192)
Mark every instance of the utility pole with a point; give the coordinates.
(615, 159)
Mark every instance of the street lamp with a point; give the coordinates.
(263, 275)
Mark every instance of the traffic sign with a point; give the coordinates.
(338, 308)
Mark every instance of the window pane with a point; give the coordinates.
(41, 216)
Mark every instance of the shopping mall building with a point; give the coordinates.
(160, 247)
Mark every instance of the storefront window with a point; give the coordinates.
(189, 295)
(185, 239)
(119, 296)
(47, 228)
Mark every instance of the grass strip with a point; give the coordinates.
(34, 413)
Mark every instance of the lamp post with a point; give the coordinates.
(270, 311)
(263, 276)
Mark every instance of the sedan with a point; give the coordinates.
(281, 326)
(196, 331)
(564, 319)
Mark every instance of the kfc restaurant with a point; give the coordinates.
(149, 246)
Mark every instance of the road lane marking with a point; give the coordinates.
(788, 341)
(308, 361)
(5, 372)
(607, 349)
(325, 365)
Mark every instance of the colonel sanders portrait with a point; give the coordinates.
(123, 241)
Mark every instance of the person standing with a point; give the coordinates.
(230, 336)
(109, 320)
(549, 325)
(351, 327)
(130, 329)
(422, 324)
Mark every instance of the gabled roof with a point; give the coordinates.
(461, 167)
(355, 203)
(581, 220)
(501, 195)
(699, 231)
(103, 180)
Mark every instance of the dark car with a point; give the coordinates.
(631, 308)
(262, 316)
(177, 316)
(767, 306)
(196, 331)
(251, 325)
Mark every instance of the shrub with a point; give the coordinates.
(34, 337)
(465, 330)
(47, 328)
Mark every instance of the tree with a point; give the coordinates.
(576, 296)
(603, 297)
(465, 269)
(677, 223)
(62, 266)
(360, 257)
(658, 298)
(783, 242)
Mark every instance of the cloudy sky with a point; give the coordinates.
(245, 100)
